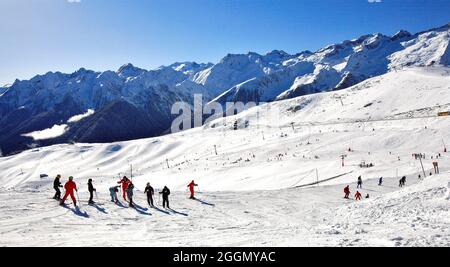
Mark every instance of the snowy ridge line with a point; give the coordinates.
(322, 181)
(355, 121)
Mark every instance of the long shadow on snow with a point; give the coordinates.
(139, 207)
(118, 203)
(160, 210)
(141, 210)
(77, 211)
(177, 212)
(100, 209)
(205, 203)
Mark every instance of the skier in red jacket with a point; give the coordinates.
(70, 186)
(191, 186)
(347, 191)
(358, 196)
(125, 183)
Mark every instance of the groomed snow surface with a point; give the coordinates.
(256, 191)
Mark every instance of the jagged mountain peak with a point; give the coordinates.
(364, 40)
(277, 52)
(232, 59)
(129, 70)
(190, 68)
(304, 53)
(81, 71)
(277, 56)
(400, 35)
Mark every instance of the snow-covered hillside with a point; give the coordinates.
(315, 216)
(415, 216)
(262, 180)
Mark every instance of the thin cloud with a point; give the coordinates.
(81, 116)
(50, 133)
(370, 1)
(74, 1)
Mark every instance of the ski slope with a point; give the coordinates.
(316, 216)
(255, 190)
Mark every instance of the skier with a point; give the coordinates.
(150, 192)
(367, 196)
(56, 185)
(191, 186)
(125, 183)
(347, 191)
(402, 181)
(70, 186)
(113, 193)
(436, 167)
(380, 182)
(358, 196)
(91, 190)
(359, 182)
(165, 194)
(130, 194)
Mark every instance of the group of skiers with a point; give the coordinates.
(127, 190)
(358, 195)
(417, 156)
(402, 182)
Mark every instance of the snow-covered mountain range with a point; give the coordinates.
(133, 103)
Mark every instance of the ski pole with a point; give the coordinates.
(78, 198)
(61, 198)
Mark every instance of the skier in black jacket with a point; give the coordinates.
(149, 191)
(130, 194)
(360, 182)
(165, 194)
(91, 190)
(56, 185)
(402, 181)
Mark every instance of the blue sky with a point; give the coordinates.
(54, 35)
